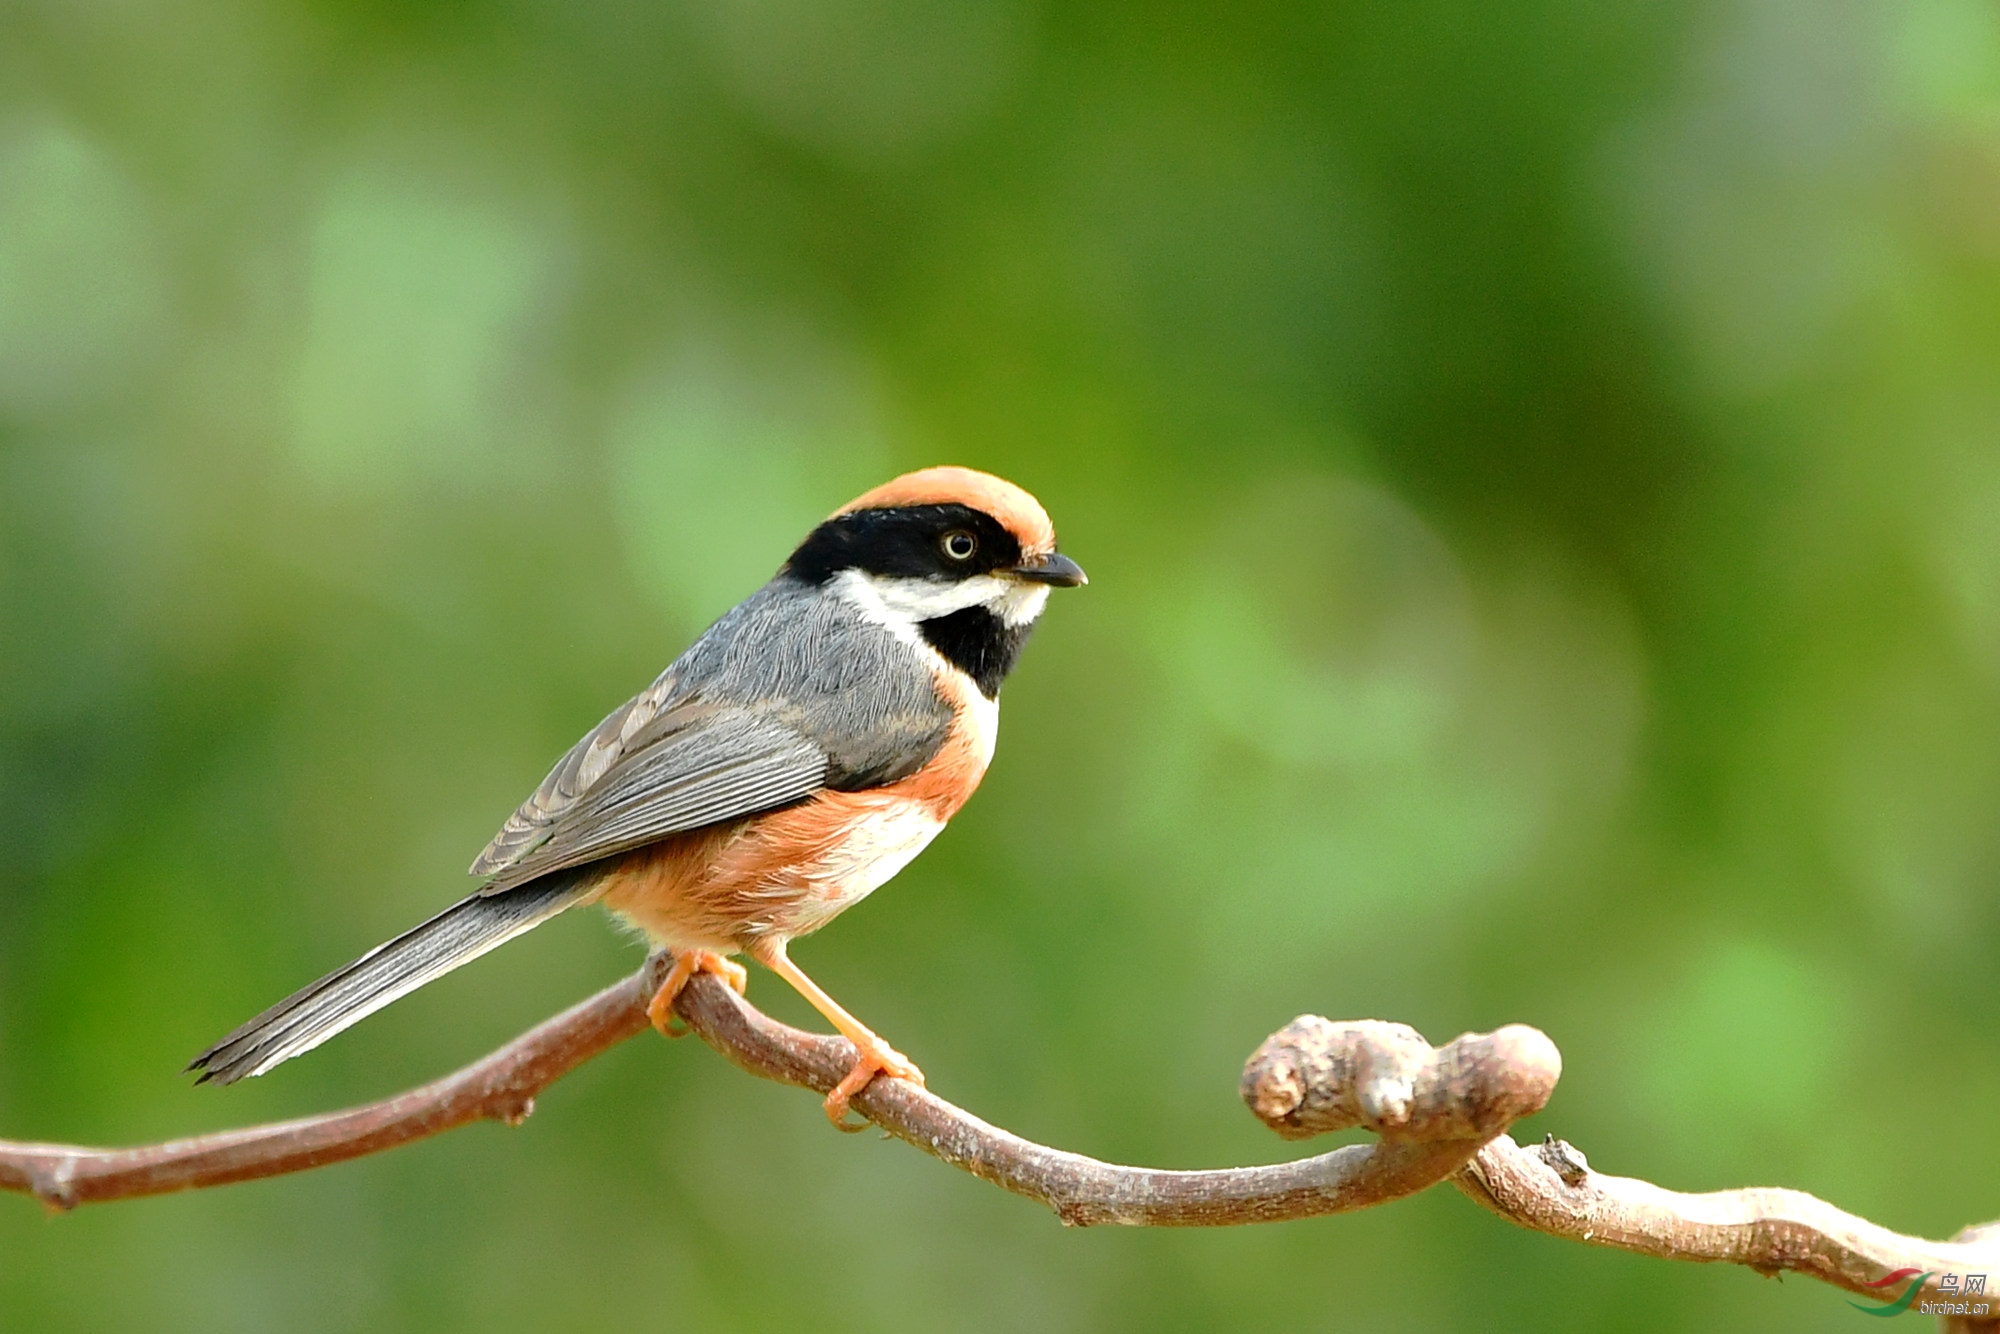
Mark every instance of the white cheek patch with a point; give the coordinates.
(866, 595)
(901, 604)
(928, 599)
(1021, 603)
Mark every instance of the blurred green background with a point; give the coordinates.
(1540, 470)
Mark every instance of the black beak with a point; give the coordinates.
(1055, 569)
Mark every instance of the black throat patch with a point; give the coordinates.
(979, 644)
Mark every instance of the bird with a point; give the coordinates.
(802, 751)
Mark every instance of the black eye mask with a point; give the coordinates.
(907, 542)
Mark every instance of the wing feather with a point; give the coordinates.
(691, 766)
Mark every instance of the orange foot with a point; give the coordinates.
(686, 964)
(875, 1057)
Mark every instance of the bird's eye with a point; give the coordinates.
(959, 544)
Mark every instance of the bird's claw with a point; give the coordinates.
(871, 1059)
(686, 964)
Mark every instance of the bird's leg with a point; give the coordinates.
(686, 964)
(872, 1055)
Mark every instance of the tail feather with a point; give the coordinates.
(344, 997)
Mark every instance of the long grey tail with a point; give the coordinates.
(458, 935)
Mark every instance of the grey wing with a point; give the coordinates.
(647, 772)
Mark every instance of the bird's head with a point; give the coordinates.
(938, 543)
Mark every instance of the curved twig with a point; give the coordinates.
(1081, 1190)
(1441, 1114)
(1315, 1075)
(1550, 1188)
(499, 1087)
(503, 1086)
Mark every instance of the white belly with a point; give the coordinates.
(877, 845)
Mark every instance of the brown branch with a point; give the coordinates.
(501, 1087)
(1081, 1190)
(1315, 1075)
(1441, 1114)
(1550, 1188)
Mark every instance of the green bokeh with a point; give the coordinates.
(1539, 467)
